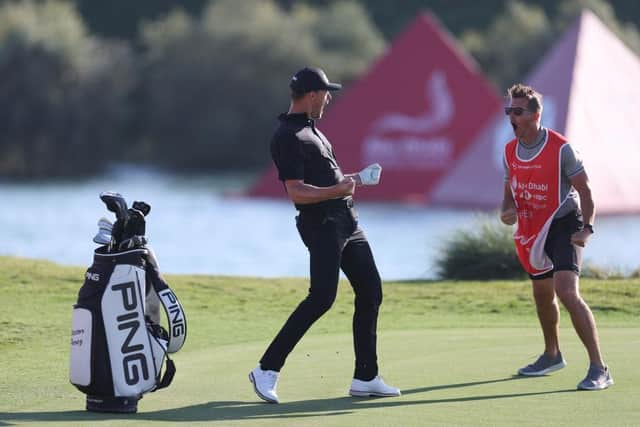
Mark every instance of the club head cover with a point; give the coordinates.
(371, 174)
(117, 233)
(143, 207)
(118, 205)
(115, 203)
(136, 224)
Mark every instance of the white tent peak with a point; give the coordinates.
(589, 82)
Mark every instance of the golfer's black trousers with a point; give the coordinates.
(335, 242)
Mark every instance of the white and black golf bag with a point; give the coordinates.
(118, 347)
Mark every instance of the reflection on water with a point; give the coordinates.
(195, 228)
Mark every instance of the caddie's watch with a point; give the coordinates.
(588, 227)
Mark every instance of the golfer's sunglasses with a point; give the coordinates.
(517, 111)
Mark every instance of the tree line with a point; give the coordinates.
(198, 87)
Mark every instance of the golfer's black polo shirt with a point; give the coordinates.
(301, 152)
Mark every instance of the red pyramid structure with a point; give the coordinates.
(415, 112)
(589, 82)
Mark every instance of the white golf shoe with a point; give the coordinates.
(264, 384)
(375, 387)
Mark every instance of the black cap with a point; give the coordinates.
(311, 79)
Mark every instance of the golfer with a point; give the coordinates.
(547, 192)
(328, 225)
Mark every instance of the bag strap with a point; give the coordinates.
(177, 320)
(176, 317)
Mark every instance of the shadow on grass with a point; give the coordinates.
(238, 410)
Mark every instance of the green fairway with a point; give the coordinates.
(451, 347)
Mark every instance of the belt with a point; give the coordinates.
(327, 204)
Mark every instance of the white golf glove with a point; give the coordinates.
(371, 174)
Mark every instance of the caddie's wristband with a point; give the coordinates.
(588, 227)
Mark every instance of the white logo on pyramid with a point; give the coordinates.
(403, 141)
(438, 116)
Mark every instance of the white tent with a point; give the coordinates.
(590, 81)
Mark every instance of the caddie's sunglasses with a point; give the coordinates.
(517, 111)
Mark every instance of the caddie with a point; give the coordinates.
(328, 225)
(547, 192)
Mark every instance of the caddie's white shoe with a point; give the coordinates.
(375, 387)
(264, 384)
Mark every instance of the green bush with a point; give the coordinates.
(511, 46)
(487, 252)
(484, 252)
(519, 36)
(62, 92)
(214, 86)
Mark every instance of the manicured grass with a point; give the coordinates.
(451, 346)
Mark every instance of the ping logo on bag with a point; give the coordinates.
(176, 318)
(133, 369)
(175, 314)
(95, 277)
(131, 322)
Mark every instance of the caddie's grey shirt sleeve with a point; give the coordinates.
(570, 165)
(570, 161)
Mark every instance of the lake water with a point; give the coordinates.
(196, 227)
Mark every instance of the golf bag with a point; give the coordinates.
(118, 347)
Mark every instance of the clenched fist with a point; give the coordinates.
(347, 186)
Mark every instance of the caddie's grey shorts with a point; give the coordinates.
(565, 255)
